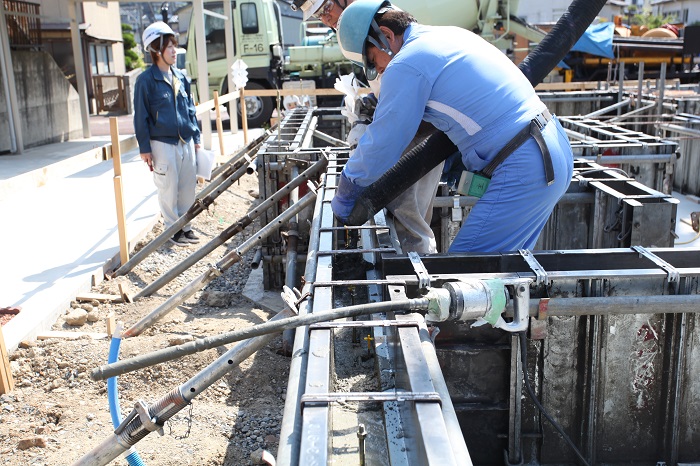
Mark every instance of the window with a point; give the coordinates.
(215, 34)
(249, 18)
(100, 59)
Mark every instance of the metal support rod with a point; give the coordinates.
(469, 201)
(197, 208)
(662, 88)
(272, 326)
(251, 147)
(232, 230)
(664, 304)
(214, 271)
(290, 270)
(330, 139)
(133, 429)
(640, 86)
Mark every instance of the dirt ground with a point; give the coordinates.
(57, 413)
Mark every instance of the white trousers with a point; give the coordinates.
(413, 210)
(175, 177)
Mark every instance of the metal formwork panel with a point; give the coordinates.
(605, 209)
(619, 384)
(574, 103)
(685, 128)
(650, 157)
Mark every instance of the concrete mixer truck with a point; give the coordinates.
(257, 41)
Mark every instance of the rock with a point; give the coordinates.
(93, 316)
(87, 307)
(180, 339)
(42, 430)
(75, 305)
(270, 439)
(24, 344)
(216, 298)
(77, 317)
(30, 442)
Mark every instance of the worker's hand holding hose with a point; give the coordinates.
(345, 197)
(148, 158)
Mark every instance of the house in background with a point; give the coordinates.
(100, 35)
(685, 11)
(40, 99)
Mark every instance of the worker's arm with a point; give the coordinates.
(398, 115)
(142, 115)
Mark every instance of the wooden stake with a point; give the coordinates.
(119, 190)
(219, 125)
(7, 383)
(111, 324)
(244, 117)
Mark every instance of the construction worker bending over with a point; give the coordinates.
(518, 153)
(165, 123)
(413, 209)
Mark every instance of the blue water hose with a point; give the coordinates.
(113, 394)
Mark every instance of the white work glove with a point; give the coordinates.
(355, 134)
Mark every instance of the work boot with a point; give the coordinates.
(190, 237)
(179, 239)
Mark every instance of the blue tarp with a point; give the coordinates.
(597, 40)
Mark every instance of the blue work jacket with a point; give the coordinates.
(457, 81)
(159, 114)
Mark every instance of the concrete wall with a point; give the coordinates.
(49, 106)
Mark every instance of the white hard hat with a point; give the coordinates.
(308, 7)
(153, 32)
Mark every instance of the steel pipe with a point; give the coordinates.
(216, 270)
(198, 207)
(665, 304)
(233, 229)
(133, 429)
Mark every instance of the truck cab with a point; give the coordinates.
(256, 41)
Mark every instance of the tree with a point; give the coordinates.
(132, 59)
(646, 18)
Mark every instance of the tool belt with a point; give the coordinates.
(534, 129)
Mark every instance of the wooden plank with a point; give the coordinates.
(101, 297)
(70, 335)
(7, 383)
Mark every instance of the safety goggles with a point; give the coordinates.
(324, 10)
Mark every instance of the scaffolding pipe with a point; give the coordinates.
(233, 229)
(197, 208)
(272, 326)
(470, 201)
(133, 429)
(665, 304)
(290, 270)
(250, 147)
(257, 259)
(216, 270)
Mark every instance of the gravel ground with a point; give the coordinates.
(57, 413)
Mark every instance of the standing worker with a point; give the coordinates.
(412, 209)
(516, 151)
(166, 128)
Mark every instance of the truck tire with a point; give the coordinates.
(258, 109)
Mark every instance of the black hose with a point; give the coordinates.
(417, 162)
(555, 45)
(531, 392)
(436, 147)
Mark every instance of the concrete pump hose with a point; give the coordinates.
(437, 147)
